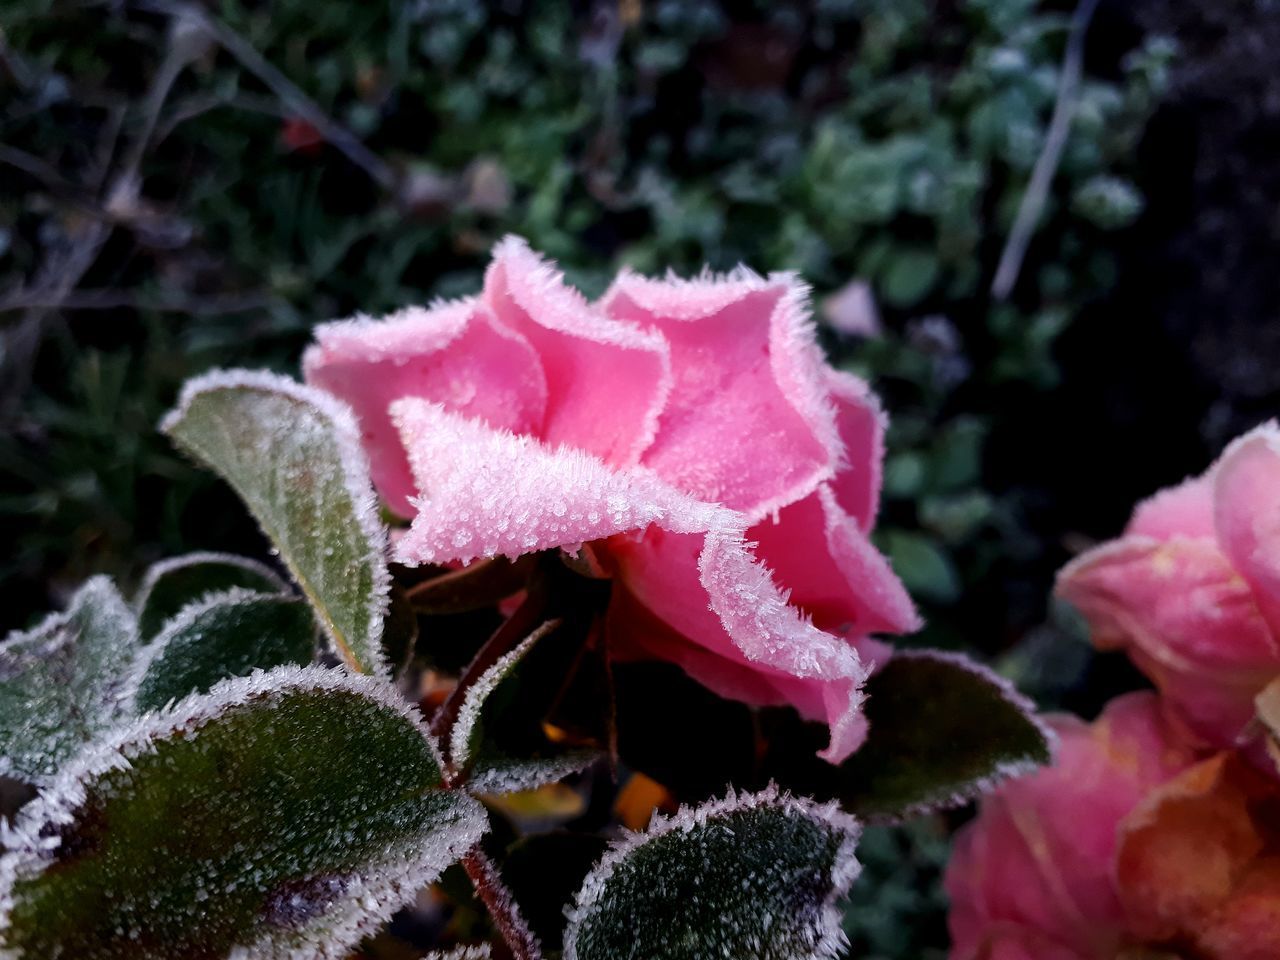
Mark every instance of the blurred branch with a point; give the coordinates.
(1033, 200)
(295, 101)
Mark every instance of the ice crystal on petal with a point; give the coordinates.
(518, 495)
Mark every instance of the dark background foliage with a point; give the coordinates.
(168, 204)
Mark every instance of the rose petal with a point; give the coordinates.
(1039, 854)
(862, 424)
(742, 617)
(455, 354)
(749, 422)
(1247, 927)
(1182, 511)
(1246, 496)
(487, 492)
(835, 574)
(607, 381)
(1184, 851)
(1186, 619)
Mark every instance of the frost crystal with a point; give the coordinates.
(62, 683)
(172, 583)
(748, 876)
(293, 454)
(283, 815)
(222, 635)
(488, 492)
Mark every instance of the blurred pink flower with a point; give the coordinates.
(1033, 876)
(1192, 589)
(688, 432)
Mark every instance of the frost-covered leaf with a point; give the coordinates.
(61, 683)
(173, 583)
(284, 815)
(943, 730)
(490, 768)
(293, 454)
(749, 876)
(223, 635)
(478, 951)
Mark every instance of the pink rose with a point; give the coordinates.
(1033, 876)
(688, 432)
(1192, 589)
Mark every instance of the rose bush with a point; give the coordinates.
(1192, 589)
(685, 434)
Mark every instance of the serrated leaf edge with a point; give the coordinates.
(183, 619)
(26, 851)
(844, 870)
(1003, 770)
(356, 477)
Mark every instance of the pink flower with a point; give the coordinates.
(688, 432)
(1192, 589)
(1033, 876)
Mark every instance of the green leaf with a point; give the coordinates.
(293, 454)
(909, 277)
(171, 584)
(748, 876)
(62, 682)
(488, 767)
(925, 568)
(943, 730)
(285, 814)
(224, 635)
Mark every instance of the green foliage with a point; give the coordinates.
(61, 683)
(172, 584)
(293, 454)
(943, 731)
(286, 815)
(748, 876)
(228, 634)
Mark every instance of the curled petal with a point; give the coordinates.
(1246, 497)
(607, 381)
(1189, 868)
(487, 493)
(1182, 511)
(834, 572)
(862, 424)
(1039, 855)
(1187, 620)
(750, 422)
(454, 354)
(742, 617)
